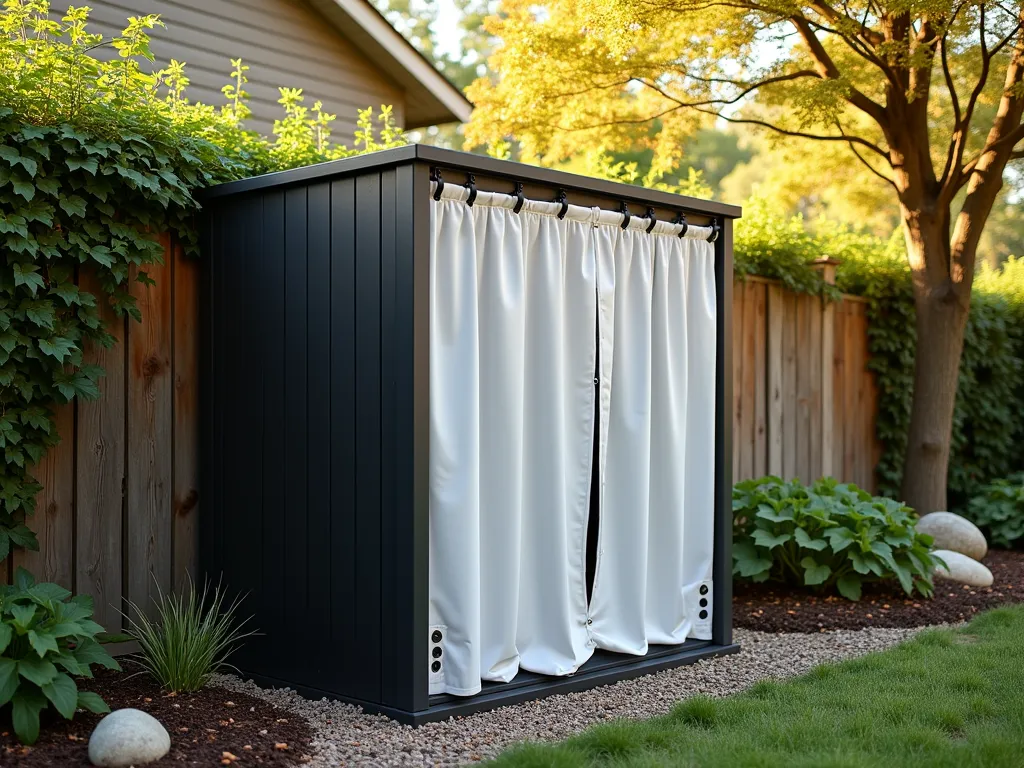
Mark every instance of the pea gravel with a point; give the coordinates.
(344, 736)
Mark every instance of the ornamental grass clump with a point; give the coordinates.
(47, 639)
(827, 536)
(190, 639)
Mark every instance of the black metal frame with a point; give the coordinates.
(250, 226)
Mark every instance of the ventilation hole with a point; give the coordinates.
(435, 667)
(435, 637)
(703, 614)
(436, 653)
(703, 589)
(703, 602)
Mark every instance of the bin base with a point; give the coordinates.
(603, 668)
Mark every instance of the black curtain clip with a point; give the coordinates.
(471, 186)
(565, 205)
(715, 229)
(681, 219)
(650, 215)
(624, 210)
(519, 197)
(435, 175)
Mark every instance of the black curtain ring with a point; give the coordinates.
(624, 210)
(436, 176)
(715, 229)
(471, 186)
(681, 219)
(519, 197)
(565, 205)
(653, 220)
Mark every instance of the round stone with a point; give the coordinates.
(128, 737)
(962, 569)
(954, 533)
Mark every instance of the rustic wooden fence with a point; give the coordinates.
(804, 402)
(117, 516)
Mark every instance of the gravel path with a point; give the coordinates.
(346, 736)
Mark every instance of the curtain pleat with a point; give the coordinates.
(516, 398)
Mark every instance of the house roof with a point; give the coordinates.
(430, 98)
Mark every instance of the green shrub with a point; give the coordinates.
(998, 510)
(827, 536)
(190, 639)
(46, 640)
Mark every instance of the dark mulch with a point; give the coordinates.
(773, 608)
(203, 727)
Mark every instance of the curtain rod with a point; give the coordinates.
(562, 198)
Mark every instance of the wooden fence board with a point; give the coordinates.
(760, 467)
(149, 488)
(775, 309)
(738, 297)
(812, 362)
(53, 521)
(751, 375)
(789, 386)
(100, 475)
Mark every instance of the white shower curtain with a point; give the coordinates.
(516, 300)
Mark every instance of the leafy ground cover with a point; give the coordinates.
(948, 698)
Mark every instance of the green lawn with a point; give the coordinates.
(947, 698)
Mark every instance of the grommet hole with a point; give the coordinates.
(435, 667)
(703, 614)
(435, 636)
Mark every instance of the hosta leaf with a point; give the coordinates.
(849, 586)
(48, 592)
(36, 670)
(23, 616)
(804, 540)
(813, 572)
(8, 679)
(92, 702)
(26, 705)
(42, 642)
(6, 633)
(63, 694)
(767, 539)
(840, 538)
(768, 512)
(91, 652)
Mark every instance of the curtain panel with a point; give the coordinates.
(546, 334)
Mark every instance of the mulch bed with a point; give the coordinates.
(203, 727)
(773, 608)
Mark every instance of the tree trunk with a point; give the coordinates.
(941, 321)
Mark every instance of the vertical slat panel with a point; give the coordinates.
(814, 366)
(749, 382)
(391, 685)
(318, 409)
(53, 521)
(828, 352)
(863, 382)
(296, 461)
(277, 511)
(803, 387)
(150, 392)
(100, 472)
(776, 391)
(789, 386)
(851, 431)
(185, 366)
(760, 466)
(366, 676)
(738, 297)
(838, 390)
(343, 433)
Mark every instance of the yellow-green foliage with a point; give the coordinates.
(97, 156)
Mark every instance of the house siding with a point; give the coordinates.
(284, 42)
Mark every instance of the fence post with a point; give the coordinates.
(827, 267)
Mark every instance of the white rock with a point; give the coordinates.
(963, 569)
(954, 533)
(128, 737)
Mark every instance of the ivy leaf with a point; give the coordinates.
(28, 275)
(73, 205)
(78, 163)
(48, 185)
(23, 536)
(57, 347)
(24, 188)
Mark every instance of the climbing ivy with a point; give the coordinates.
(97, 158)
